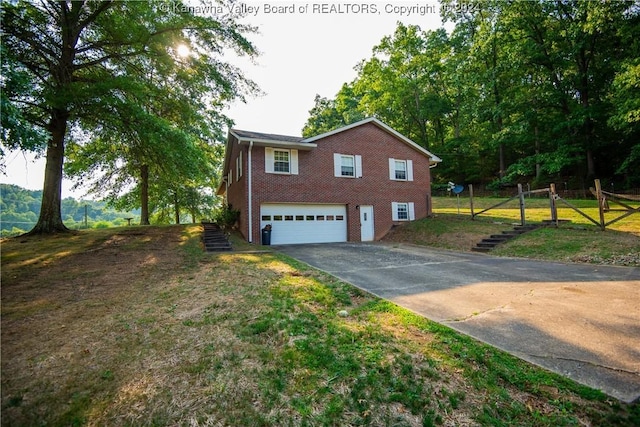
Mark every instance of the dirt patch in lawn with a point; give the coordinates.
(62, 299)
(41, 271)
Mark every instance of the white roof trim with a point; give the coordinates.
(277, 144)
(433, 157)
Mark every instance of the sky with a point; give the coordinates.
(306, 48)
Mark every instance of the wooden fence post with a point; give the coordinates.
(521, 197)
(600, 198)
(471, 200)
(552, 204)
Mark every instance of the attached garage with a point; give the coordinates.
(304, 223)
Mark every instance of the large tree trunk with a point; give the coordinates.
(50, 220)
(144, 195)
(591, 165)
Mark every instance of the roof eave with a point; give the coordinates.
(305, 146)
(433, 159)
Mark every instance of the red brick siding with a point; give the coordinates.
(315, 182)
(237, 195)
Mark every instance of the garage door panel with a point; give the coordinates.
(313, 223)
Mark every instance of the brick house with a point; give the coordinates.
(351, 184)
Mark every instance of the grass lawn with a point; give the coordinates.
(137, 326)
(576, 240)
(537, 209)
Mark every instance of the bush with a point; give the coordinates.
(227, 216)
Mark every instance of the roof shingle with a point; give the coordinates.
(245, 134)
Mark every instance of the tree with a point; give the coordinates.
(329, 114)
(82, 60)
(403, 85)
(534, 90)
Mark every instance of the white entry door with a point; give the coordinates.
(367, 232)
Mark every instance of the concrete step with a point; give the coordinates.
(214, 238)
(489, 245)
(486, 244)
(218, 248)
(514, 232)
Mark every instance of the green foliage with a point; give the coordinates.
(226, 216)
(516, 91)
(104, 82)
(16, 130)
(20, 209)
(330, 114)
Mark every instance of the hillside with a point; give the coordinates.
(20, 208)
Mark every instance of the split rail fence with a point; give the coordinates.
(603, 197)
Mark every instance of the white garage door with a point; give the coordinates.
(304, 223)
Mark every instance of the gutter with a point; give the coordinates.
(249, 185)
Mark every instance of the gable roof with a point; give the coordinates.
(433, 159)
(245, 137)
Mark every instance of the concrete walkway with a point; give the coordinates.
(581, 321)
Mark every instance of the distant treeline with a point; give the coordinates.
(20, 208)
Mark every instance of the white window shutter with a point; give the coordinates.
(337, 164)
(240, 165)
(358, 166)
(412, 210)
(268, 160)
(294, 162)
(392, 169)
(394, 211)
(230, 176)
(409, 170)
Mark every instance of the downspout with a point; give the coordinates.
(250, 219)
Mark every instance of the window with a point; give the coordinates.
(239, 166)
(281, 161)
(347, 165)
(403, 211)
(400, 170)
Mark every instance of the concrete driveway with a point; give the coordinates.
(581, 321)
